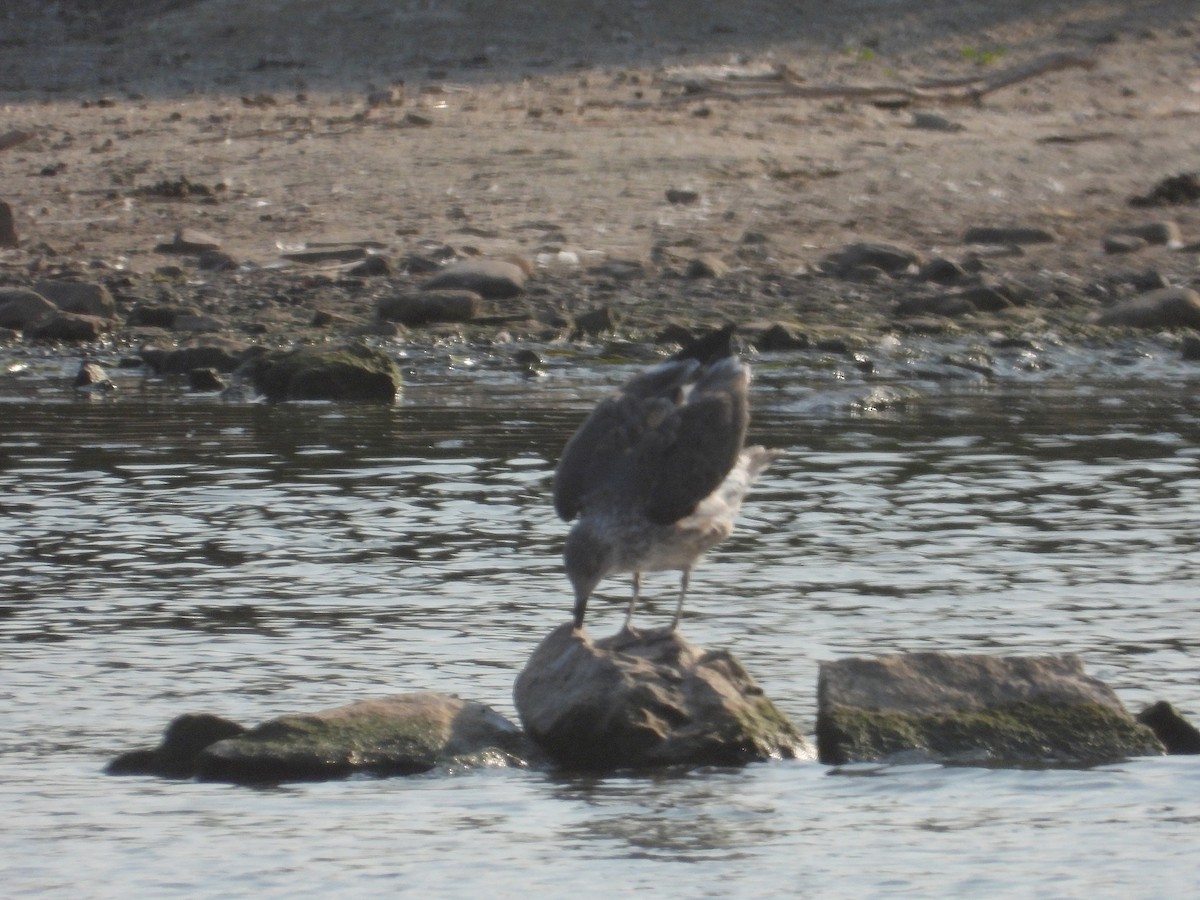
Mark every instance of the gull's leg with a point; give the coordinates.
(637, 587)
(683, 586)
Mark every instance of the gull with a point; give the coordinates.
(656, 474)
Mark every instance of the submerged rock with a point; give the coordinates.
(648, 700)
(403, 734)
(352, 373)
(972, 708)
(176, 756)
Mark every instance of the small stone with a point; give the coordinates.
(79, 297)
(429, 306)
(8, 227)
(1165, 233)
(216, 261)
(1167, 308)
(371, 266)
(707, 266)
(853, 259)
(92, 377)
(493, 279)
(781, 337)
(984, 234)
(187, 242)
(1123, 243)
(21, 308)
(594, 322)
(206, 379)
(1174, 190)
(71, 327)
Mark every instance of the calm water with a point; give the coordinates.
(161, 555)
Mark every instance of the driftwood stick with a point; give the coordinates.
(948, 90)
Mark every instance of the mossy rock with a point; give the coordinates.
(404, 734)
(353, 373)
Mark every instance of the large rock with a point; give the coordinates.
(972, 708)
(491, 278)
(1165, 308)
(80, 297)
(403, 734)
(353, 373)
(653, 700)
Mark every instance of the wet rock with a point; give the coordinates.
(528, 363)
(1177, 734)
(8, 227)
(1190, 349)
(403, 734)
(21, 308)
(594, 322)
(988, 234)
(1174, 190)
(176, 755)
(91, 377)
(70, 327)
(493, 279)
(972, 708)
(189, 242)
(706, 266)
(79, 297)
(646, 701)
(202, 380)
(354, 373)
(428, 306)
(780, 336)
(1166, 308)
(852, 259)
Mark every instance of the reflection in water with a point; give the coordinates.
(162, 557)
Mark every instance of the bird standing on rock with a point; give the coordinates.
(657, 473)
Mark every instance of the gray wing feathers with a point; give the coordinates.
(656, 446)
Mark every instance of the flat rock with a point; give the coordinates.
(1016, 234)
(354, 373)
(491, 278)
(403, 734)
(648, 700)
(80, 297)
(1177, 307)
(429, 306)
(70, 327)
(972, 709)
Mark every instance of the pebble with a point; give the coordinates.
(8, 227)
(492, 279)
